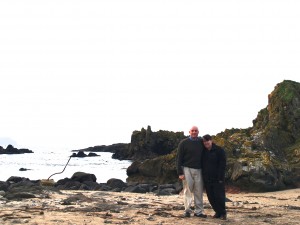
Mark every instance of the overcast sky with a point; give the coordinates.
(76, 74)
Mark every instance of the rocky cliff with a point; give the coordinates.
(264, 157)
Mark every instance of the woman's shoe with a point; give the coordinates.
(223, 217)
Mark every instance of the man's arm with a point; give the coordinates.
(180, 159)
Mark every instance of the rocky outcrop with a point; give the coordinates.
(278, 125)
(146, 144)
(12, 150)
(265, 157)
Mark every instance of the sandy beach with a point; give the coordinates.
(100, 207)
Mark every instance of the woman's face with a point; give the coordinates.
(207, 144)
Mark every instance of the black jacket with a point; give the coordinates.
(214, 164)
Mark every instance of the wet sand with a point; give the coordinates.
(98, 207)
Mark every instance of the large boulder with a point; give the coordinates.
(160, 170)
(82, 177)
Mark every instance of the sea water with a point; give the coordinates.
(41, 165)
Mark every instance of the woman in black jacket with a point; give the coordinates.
(213, 171)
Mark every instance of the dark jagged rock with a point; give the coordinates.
(81, 177)
(19, 188)
(81, 154)
(265, 157)
(73, 200)
(92, 154)
(19, 196)
(146, 144)
(12, 150)
(159, 170)
(116, 183)
(14, 179)
(69, 184)
(4, 185)
(23, 169)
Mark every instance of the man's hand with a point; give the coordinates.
(181, 177)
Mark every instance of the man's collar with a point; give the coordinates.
(193, 139)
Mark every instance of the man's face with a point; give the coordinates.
(207, 144)
(194, 132)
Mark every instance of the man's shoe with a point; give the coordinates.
(223, 217)
(200, 215)
(187, 214)
(216, 216)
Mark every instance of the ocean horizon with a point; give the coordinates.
(43, 164)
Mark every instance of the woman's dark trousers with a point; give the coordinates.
(216, 196)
